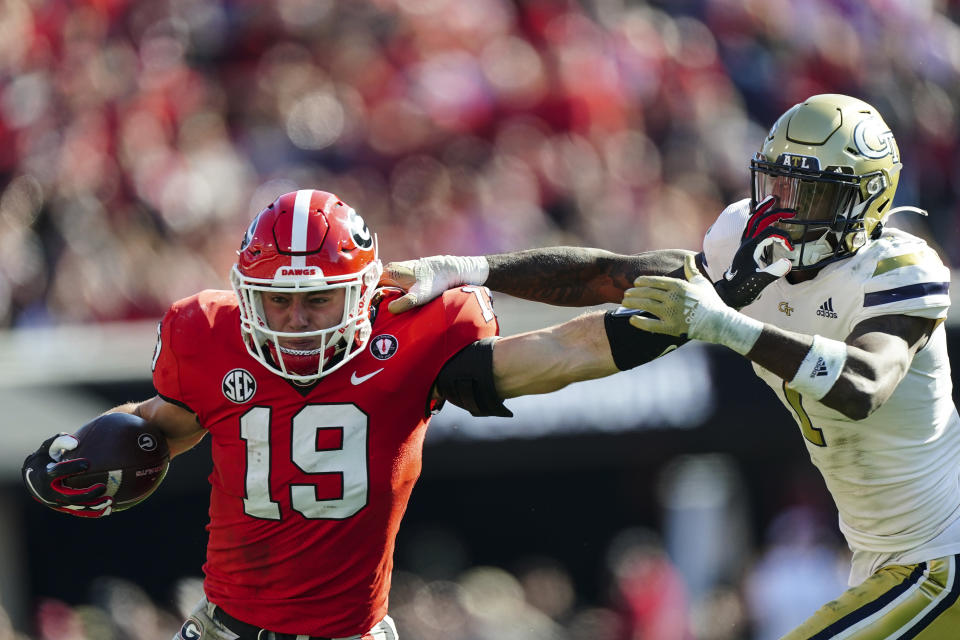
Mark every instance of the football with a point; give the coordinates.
(125, 453)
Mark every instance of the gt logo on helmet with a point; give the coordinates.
(874, 140)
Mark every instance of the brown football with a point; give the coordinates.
(126, 454)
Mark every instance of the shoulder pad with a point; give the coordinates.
(904, 275)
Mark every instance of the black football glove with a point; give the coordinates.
(747, 275)
(44, 474)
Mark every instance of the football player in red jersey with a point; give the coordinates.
(317, 399)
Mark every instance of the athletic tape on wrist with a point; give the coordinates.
(821, 368)
(472, 269)
(740, 332)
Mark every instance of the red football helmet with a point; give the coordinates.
(306, 241)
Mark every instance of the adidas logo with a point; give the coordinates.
(820, 369)
(826, 309)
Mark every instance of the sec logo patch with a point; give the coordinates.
(383, 346)
(239, 386)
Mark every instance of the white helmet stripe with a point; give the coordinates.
(298, 235)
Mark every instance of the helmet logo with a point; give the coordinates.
(874, 140)
(799, 162)
(239, 386)
(383, 346)
(248, 236)
(358, 229)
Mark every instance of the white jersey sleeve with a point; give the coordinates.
(723, 238)
(907, 278)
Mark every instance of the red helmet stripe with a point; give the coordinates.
(301, 216)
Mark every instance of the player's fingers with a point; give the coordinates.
(67, 467)
(655, 282)
(775, 235)
(779, 268)
(644, 323)
(639, 294)
(62, 443)
(398, 274)
(80, 493)
(771, 239)
(690, 270)
(763, 207)
(402, 304)
(102, 508)
(654, 307)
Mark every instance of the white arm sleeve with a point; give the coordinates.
(723, 238)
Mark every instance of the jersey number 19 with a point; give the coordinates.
(349, 460)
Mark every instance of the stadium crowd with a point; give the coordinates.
(137, 134)
(136, 137)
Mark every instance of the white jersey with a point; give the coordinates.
(895, 476)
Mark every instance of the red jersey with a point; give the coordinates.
(309, 483)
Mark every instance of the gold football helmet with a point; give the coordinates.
(831, 161)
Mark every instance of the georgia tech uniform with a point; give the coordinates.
(309, 484)
(895, 476)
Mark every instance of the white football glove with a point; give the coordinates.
(692, 307)
(427, 278)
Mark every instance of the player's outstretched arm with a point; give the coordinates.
(854, 377)
(872, 360)
(593, 345)
(567, 276)
(576, 276)
(549, 359)
(482, 375)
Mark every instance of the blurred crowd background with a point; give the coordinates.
(135, 134)
(137, 138)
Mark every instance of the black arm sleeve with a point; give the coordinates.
(632, 347)
(466, 380)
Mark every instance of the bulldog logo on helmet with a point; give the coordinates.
(358, 230)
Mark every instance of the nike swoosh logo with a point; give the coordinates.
(731, 274)
(355, 379)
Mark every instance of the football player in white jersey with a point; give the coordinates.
(851, 340)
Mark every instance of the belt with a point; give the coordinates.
(248, 631)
